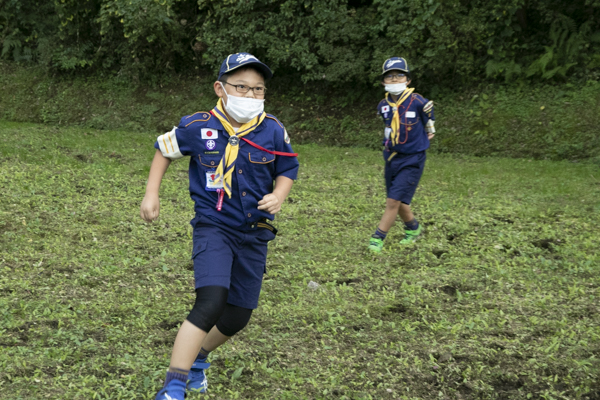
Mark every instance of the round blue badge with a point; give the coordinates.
(210, 144)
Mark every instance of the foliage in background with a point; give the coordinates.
(448, 42)
(539, 121)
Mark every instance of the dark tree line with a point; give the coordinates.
(448, 42)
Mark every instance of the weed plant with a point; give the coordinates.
(499, 300)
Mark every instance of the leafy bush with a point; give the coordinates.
(448, 42)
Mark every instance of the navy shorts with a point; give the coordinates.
(235, 259)
(402, 175)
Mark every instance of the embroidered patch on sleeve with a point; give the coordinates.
(428, 107)
(286, 137)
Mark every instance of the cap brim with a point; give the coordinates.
(393, 69)
(258, 65)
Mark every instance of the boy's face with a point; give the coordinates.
(239, 84)
(395, 76)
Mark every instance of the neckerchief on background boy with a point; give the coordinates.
(396, 118)
(227, 163)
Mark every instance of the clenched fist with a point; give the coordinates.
(270, 203)
(150, 208)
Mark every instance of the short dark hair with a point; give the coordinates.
(226, 76)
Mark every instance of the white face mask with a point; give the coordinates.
(395, 88)
(243, 109)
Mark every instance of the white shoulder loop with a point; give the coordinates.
(168, 145)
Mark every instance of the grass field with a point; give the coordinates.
(499, 300)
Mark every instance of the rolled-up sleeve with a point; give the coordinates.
(176, 143)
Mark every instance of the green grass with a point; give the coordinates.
(499, 300)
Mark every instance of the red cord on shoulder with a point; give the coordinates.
(277, 153)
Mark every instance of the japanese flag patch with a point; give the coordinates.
(385, 109)
(208, 133)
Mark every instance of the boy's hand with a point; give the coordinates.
(270, 203)
(150, 208)
(430, 136)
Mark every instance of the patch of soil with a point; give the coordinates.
(348, 281)
(398, 309)
(169, 325)
(439, 252)
(547, 244)
(449, 290)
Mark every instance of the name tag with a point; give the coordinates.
(211, 186)
(410, 114)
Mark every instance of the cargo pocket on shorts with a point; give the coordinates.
(199, 247)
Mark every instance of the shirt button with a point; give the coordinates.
(264, 158)
(249, 215)
(239, 171)
(212, 163)
(243, 193)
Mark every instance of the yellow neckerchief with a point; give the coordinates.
(227, 163)
(395, 135)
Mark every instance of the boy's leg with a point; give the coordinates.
(388, 219)
(213, 253)
(187, 345)
(245, 283)
(208, 308)
(232, 320)
(405, 212)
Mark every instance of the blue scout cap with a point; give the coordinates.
(395, 63)
(238, 60)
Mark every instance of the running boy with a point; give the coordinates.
(409, 125)
(236, 152)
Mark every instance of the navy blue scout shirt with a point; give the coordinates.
(202, 137)
(413, 137)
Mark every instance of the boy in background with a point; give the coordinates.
(409, 126)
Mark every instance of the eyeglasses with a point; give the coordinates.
(259, 90)
(391, 77)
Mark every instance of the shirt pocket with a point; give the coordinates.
(209, 161)
(261, 157)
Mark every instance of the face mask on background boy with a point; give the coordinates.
(395, 88)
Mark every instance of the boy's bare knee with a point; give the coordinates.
(392, 204)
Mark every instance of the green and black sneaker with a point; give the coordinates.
(411, 236)
(375, 245)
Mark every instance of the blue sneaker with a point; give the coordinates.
(197, 382)
(175, 390)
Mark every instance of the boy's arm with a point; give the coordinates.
(272, 202)
(150, 207)
(428, 118)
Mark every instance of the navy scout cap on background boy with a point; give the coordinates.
(236, 151)
(409, 125)
(398, 63)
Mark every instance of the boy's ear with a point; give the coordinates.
(218, 87)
